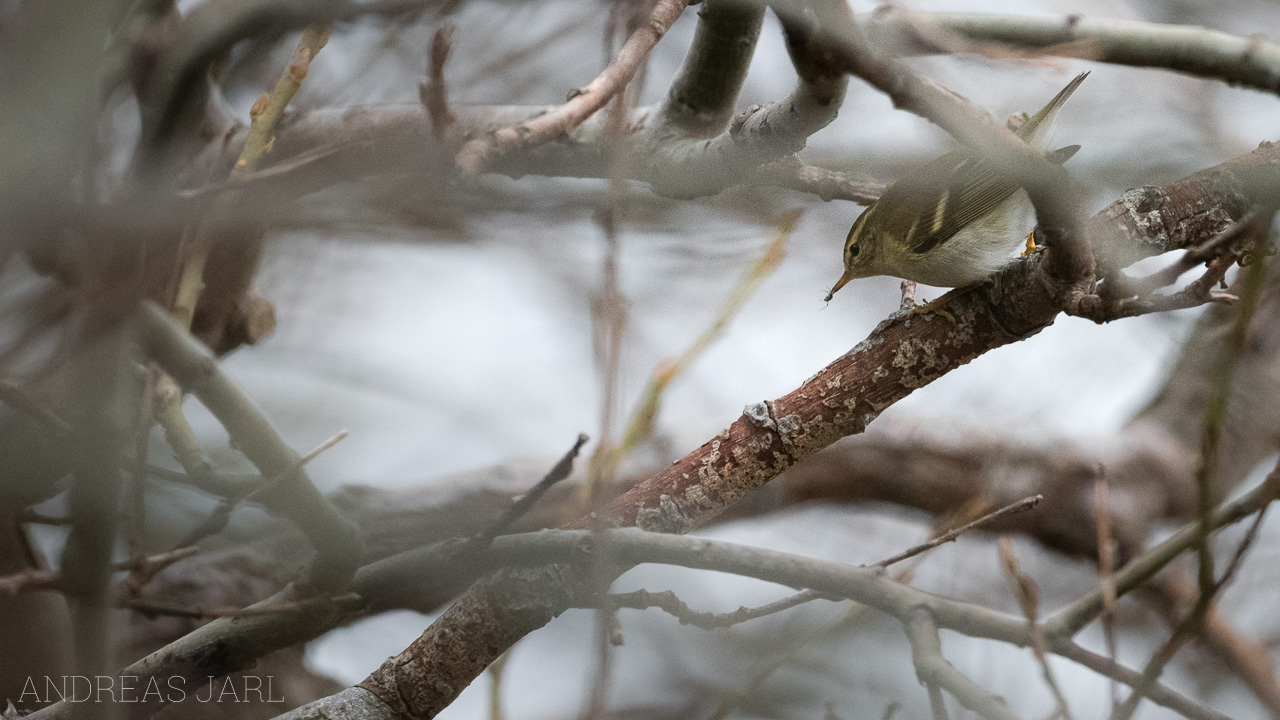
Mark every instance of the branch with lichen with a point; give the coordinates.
(640, 426)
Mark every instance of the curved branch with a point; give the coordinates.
(700, 100)
(1248, 61)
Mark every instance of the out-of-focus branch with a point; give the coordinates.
(212, 29)
(826, 184)
(1249, 61)
(1077, 615)
(337, 543)
(700, 100)
(479, 153)
(433, 92)
(95, 487)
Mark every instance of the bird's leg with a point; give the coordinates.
(1031, 244)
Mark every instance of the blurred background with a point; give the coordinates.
(448, 328)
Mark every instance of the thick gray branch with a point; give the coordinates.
(1248, 61)
(701, 98)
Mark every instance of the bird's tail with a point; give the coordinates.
(1062, 154)
(1035, 130)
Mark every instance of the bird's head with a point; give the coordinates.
(858, 252)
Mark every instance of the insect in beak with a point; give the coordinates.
(844, 280)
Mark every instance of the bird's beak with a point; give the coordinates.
(844, 280)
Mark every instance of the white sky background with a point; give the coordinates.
(444, 350)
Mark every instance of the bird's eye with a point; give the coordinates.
(853, 250)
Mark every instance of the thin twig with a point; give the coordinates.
(182, 440)
(1027, 593)
(519, 508)
(1215, 418)
(1191, 625)
(1106, 571)
(669, 603)
(217, 518)
(1004, 512)
(1203, 253)
(151, 609)
(433, 92)
(495, 686)
(479, 154)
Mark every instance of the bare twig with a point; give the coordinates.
(669, 603)
(217, 518)
(433, 93)
(1027, 593)
(1192, 624)
(495, 686)
(1212, 248)
(1106, 570)
(181, 439)
(1215, 418)
(1013, 509)
(519, 508)
(478, 154)
(151, 609)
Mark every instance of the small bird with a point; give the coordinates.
(951, 222)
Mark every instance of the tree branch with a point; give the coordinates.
(1248, 61)
(934, 670)
(701, 98)
(337, 543)
(479, 153)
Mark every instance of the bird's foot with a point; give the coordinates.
(935, 307)
(1031, 244)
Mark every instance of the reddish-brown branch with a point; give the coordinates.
(557, 123)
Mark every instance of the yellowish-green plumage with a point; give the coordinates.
(951, 222)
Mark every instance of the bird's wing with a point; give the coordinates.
(944, 196)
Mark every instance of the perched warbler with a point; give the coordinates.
(953, 221)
